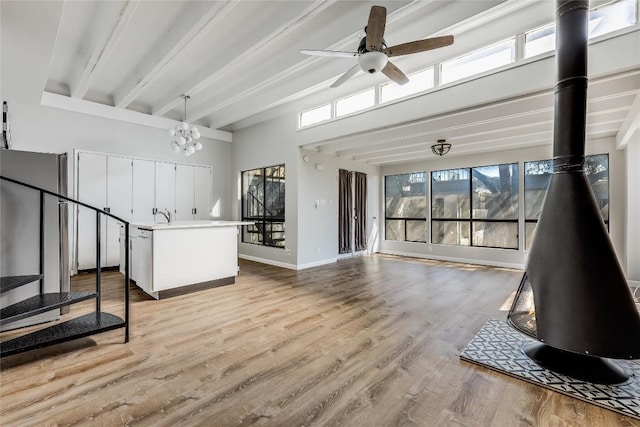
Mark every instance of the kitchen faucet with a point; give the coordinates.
(166, 214)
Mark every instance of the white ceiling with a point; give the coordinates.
(240, 63)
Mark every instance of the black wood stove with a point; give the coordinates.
(574, 297)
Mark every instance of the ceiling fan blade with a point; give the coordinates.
(395, 74)
(335, 53)
(418, 46)
(375, 27)
(346, 76)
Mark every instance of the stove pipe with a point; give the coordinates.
(583, 303)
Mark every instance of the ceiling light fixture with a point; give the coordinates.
(185, 135)
(372, 62)
(441, 148)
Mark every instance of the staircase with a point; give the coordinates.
(268, 227)
(68, 329)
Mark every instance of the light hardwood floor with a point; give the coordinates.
(369, 341)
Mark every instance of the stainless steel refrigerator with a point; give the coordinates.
(20, 226)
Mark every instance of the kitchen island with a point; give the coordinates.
(183, 256)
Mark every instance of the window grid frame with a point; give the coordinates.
(535, 221)
(471, 220)
(264, 219)
(405, 219)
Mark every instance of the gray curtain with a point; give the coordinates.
(345, 207)
(361, 211)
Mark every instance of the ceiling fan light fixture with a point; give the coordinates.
(441, 148)
(372, 62)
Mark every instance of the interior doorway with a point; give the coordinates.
(352, 213)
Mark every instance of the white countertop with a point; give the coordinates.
(188, 224)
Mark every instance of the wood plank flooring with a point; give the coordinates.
(368, 341)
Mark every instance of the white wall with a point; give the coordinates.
(510, 257)
(268, 144)
(45, 129)
(318, 206)
(633, 209)
(311, 232)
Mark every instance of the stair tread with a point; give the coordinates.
(79, 327)
(41, 303)
(11, 282)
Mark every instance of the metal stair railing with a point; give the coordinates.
(99, 214)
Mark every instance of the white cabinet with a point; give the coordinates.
(92, 190)
(141, 245)
(167, 256)
(133, 189)
(203, 192)
(122, 251)
(193, 192)
(165, 187)
(143, 194)
(105, 183)
(119, 179)
(184, 193)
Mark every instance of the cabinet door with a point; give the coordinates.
(142, 261)
(166, 187)
(119, 191)
(92, 190)
(203, 191)
(184, 193)
(143, 200)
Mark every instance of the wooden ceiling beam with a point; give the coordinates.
(105, 46)
(172, 101)
(166, 52)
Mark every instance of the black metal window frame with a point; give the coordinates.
(471, 220)
(263, 221)
(535, 221)
(405, 219)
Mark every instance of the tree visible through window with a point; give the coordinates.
(263, 202)
(406, 207)
(536, 180)
(475, 206)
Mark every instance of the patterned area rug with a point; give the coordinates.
(498, 346)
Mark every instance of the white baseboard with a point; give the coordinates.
(287, 265)
(268, 261)
(317, 263)
(634, 283)
(460, 260)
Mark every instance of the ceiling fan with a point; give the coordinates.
(373, 54)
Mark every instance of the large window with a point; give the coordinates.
(536, 180)
(475, 206)
(406, 207)
(451, 207)
(263, 203)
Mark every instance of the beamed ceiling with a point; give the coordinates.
(240, 63)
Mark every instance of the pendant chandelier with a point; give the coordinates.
(184, 136)
(441, 148)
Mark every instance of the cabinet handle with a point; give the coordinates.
(193, 211)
